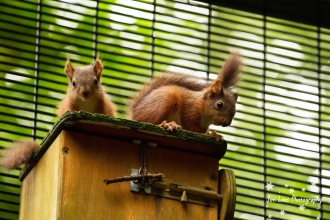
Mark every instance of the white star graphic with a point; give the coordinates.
(292, 190)
(302, 208)
(282, 212)
(269, 186)
(286, 185)
(313, 184)
(269, 216)
(303, 189)
(318, 218)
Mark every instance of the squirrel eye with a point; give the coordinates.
(219, 104)
(96, 82)
(73, 83)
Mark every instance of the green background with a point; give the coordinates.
(281, 130)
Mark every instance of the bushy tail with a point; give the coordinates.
(167, 79)
(19, 153)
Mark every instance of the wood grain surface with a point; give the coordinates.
(67, 182)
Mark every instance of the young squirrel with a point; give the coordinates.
(187, 102)
(84, 93)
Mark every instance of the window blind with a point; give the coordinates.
(278, 143)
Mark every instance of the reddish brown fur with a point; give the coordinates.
(229, 73)
(87, 95)
(167, 79)
(188, 101)
(19, 153)
(76, 99)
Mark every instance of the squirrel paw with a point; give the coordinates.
(214, 134)
(170, 126)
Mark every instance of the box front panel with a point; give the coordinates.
(88, 160)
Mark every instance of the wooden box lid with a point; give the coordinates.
(127, 130)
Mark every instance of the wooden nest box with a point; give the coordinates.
(92, 166)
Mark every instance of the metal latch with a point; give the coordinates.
(157, 185)
(172, 189)
(143, 181)
(185, 192)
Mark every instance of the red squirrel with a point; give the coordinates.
(187, 102)
(84, 93)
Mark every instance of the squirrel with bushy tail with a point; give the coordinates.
(85, 92)
(179, 101)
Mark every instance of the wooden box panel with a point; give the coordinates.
(65, 178)
(89, 161)
(40, 189)
(183, 167)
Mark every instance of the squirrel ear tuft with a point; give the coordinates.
(69, 69)
(216, 87)
(235, 96)
(98, 67)
(230, 71)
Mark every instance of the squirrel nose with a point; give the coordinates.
(85, 93)
(226, 123)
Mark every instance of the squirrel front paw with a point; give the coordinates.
(214, 134)
(170, 126)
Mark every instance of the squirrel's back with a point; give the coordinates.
(167, 79)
